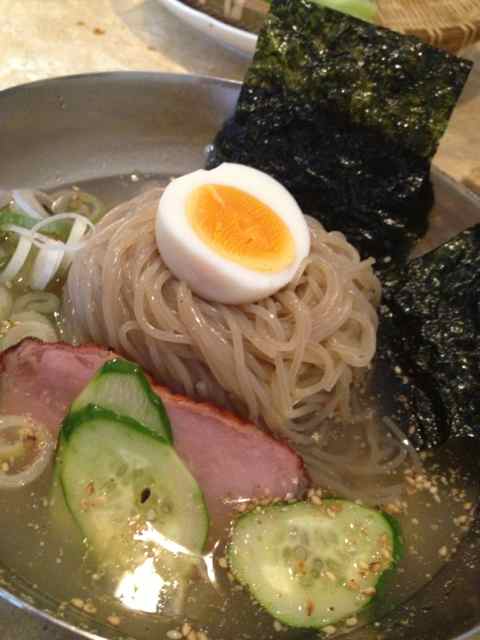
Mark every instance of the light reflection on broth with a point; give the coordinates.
(45, 551)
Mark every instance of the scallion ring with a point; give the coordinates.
(25, 430)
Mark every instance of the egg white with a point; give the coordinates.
(208, 274)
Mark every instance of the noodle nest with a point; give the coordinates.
(288, 361)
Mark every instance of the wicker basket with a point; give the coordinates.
(449, 24)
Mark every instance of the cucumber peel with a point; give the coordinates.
(309, 565)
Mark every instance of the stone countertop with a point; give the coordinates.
(47, 38)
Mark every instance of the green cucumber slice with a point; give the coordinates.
(61, 516)
(122, 387)
(363, 9)
(312, 565)
(128, 490)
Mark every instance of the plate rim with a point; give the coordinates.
(188, 78)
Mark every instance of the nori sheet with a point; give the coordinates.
(347, 115)
(428, 359)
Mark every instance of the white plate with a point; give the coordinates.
(234, 38)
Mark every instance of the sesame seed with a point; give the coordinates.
(277, 626)
(115, 620)
(223, 563)
(330, 576)
(90, 608)
(316, 499)
(443, 552)
(329, 629)
(173, 634)
(77, 602)
(351, 622)
(369, 591)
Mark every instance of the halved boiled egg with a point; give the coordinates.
(234, 234)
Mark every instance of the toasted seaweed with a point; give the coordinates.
(347, 115)
(428, 356)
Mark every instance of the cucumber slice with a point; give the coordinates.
(128, 490)
(363, 9)
(61, 516)
(122, 387)
(312, 565)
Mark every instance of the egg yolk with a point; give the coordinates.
(240, 228)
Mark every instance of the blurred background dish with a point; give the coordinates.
(450, 24)
(217, 20)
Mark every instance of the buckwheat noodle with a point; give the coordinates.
(288, 361)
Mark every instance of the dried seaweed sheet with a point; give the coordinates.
(347, 115)
(429, 343)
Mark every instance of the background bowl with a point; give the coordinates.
(449, 24)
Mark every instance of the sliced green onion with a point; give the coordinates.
(30, 316)
(78, 231)
(27, 202)
(30, 329)
(50, 258)
(79, 201)
(51, 252)
(45, 266)
(42, 302)
(6, 303)
(43, 451)
(57, 218)
(17, 260)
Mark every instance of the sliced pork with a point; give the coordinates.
(231, 459)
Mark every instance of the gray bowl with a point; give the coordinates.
(81, 128)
